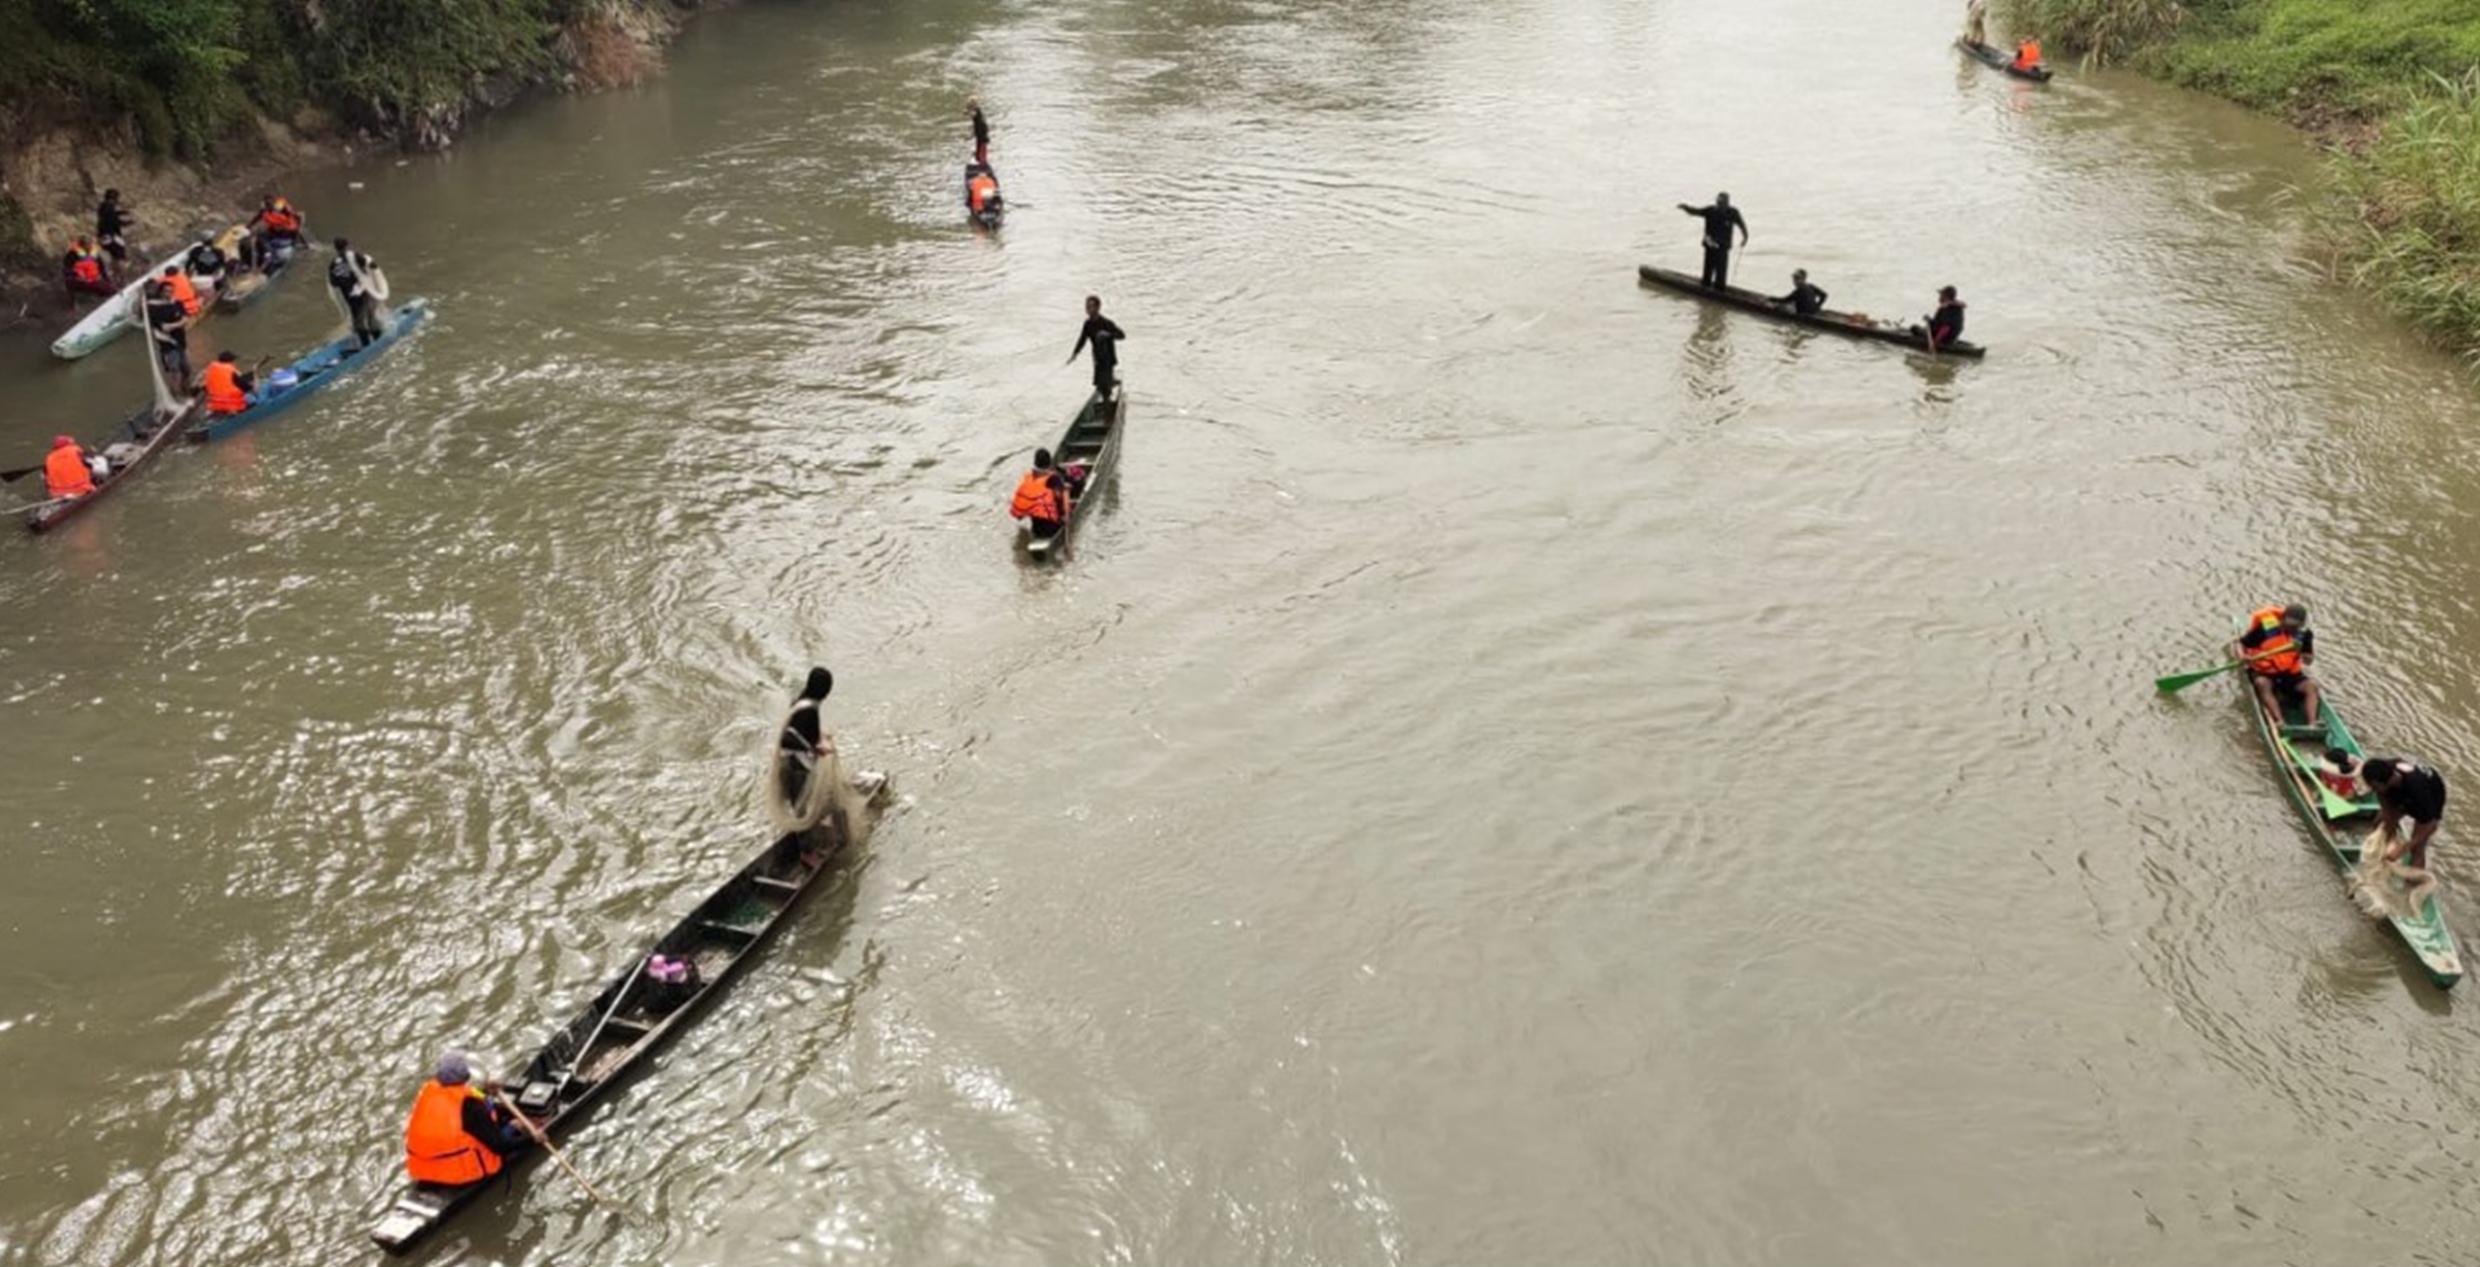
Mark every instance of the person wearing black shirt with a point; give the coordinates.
(347, 273)
(1105, 335)
(981, 131)
(167, 323)
(1946, 324)
(1804, 299)
(1720, 219)
(112, 221)
(2406, 790)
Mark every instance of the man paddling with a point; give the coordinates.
(2279, 647)
(1804, 299)
(1105, 335)
(458, 1133)
(67, 474)
(1720, 219)
(227, 386)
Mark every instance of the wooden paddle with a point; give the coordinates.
(11, 477)
(2178, 682)
(547, 1145)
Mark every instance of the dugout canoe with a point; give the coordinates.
(128, 447)
(2341, 824)
(1092, 438)
(2000, 60)
(312, 374)
(1853, 324)
(622, 1025)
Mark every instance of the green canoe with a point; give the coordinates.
(2342, 824)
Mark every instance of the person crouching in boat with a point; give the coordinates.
(83, 271)
(275, 226)
(67, 475)
(208, 264)
(1042, 497)
(670, 982)
(2406, 790)
(1804, 299)
(227, 385)
(1946, 324)
(981, 190)
(458, 1133)
(2278, 647)
(2027, 55)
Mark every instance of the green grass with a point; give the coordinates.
(2395, 84)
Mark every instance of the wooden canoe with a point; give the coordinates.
(117, 315)
(1826, 319)
(313, 373)
(129, 447)
(2341, 824)
(1092, 438)
(615, 1031)
(2000, 60)
(239, 292)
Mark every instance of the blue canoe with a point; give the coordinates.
(329, 362)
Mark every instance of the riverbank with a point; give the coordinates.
(2391, 91)
(190, 107)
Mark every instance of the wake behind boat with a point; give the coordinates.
(667, 984)
(1852, 324)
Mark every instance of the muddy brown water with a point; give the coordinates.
(1527, 770)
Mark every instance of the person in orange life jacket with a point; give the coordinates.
(2028, 55)
(167, 324)
(2279, 647)
(227, 385)
(83, 271)
(981, 189)
(458, 1133)
(1044, 495)
(176, 280)
(66, 473)
(112, 221)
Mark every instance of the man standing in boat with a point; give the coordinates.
(1720, 219)
(2279, 647)
(458, 1133)
(350, 274)
(112, 221)
(1105, 335)
(981, 132)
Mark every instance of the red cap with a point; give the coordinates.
(62, 442)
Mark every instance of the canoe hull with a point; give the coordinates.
(118, 315)
(240, 292)
(329, 362)
(613, 1033)
(2427, 935)
(1093, 438)
(1842, 323)
(146, 429)
(1999, 60)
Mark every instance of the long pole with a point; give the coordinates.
(548, 1146)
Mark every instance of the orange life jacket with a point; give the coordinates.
(2028, 54)
(85, 266)
(183, 291)
(1036, 499)
(980, 190)
(437, 1149)
(281, 218)
(2279, 652)
(223, 384)
(65, 473)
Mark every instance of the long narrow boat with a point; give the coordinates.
(1826, 319)
(312, 374)
(1998, 59)
(117, 315)
(2343, 823)
(128, 447)
(1092, 439)
(630, 1017)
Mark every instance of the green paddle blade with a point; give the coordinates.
(2177, 682)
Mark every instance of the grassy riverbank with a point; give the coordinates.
(2393, 87)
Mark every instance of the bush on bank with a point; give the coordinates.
(2395, 84)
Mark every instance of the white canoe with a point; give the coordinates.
(120, 312)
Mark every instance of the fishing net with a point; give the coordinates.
(2381, 889)
(801, 786)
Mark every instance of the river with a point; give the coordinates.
(1527, 769)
